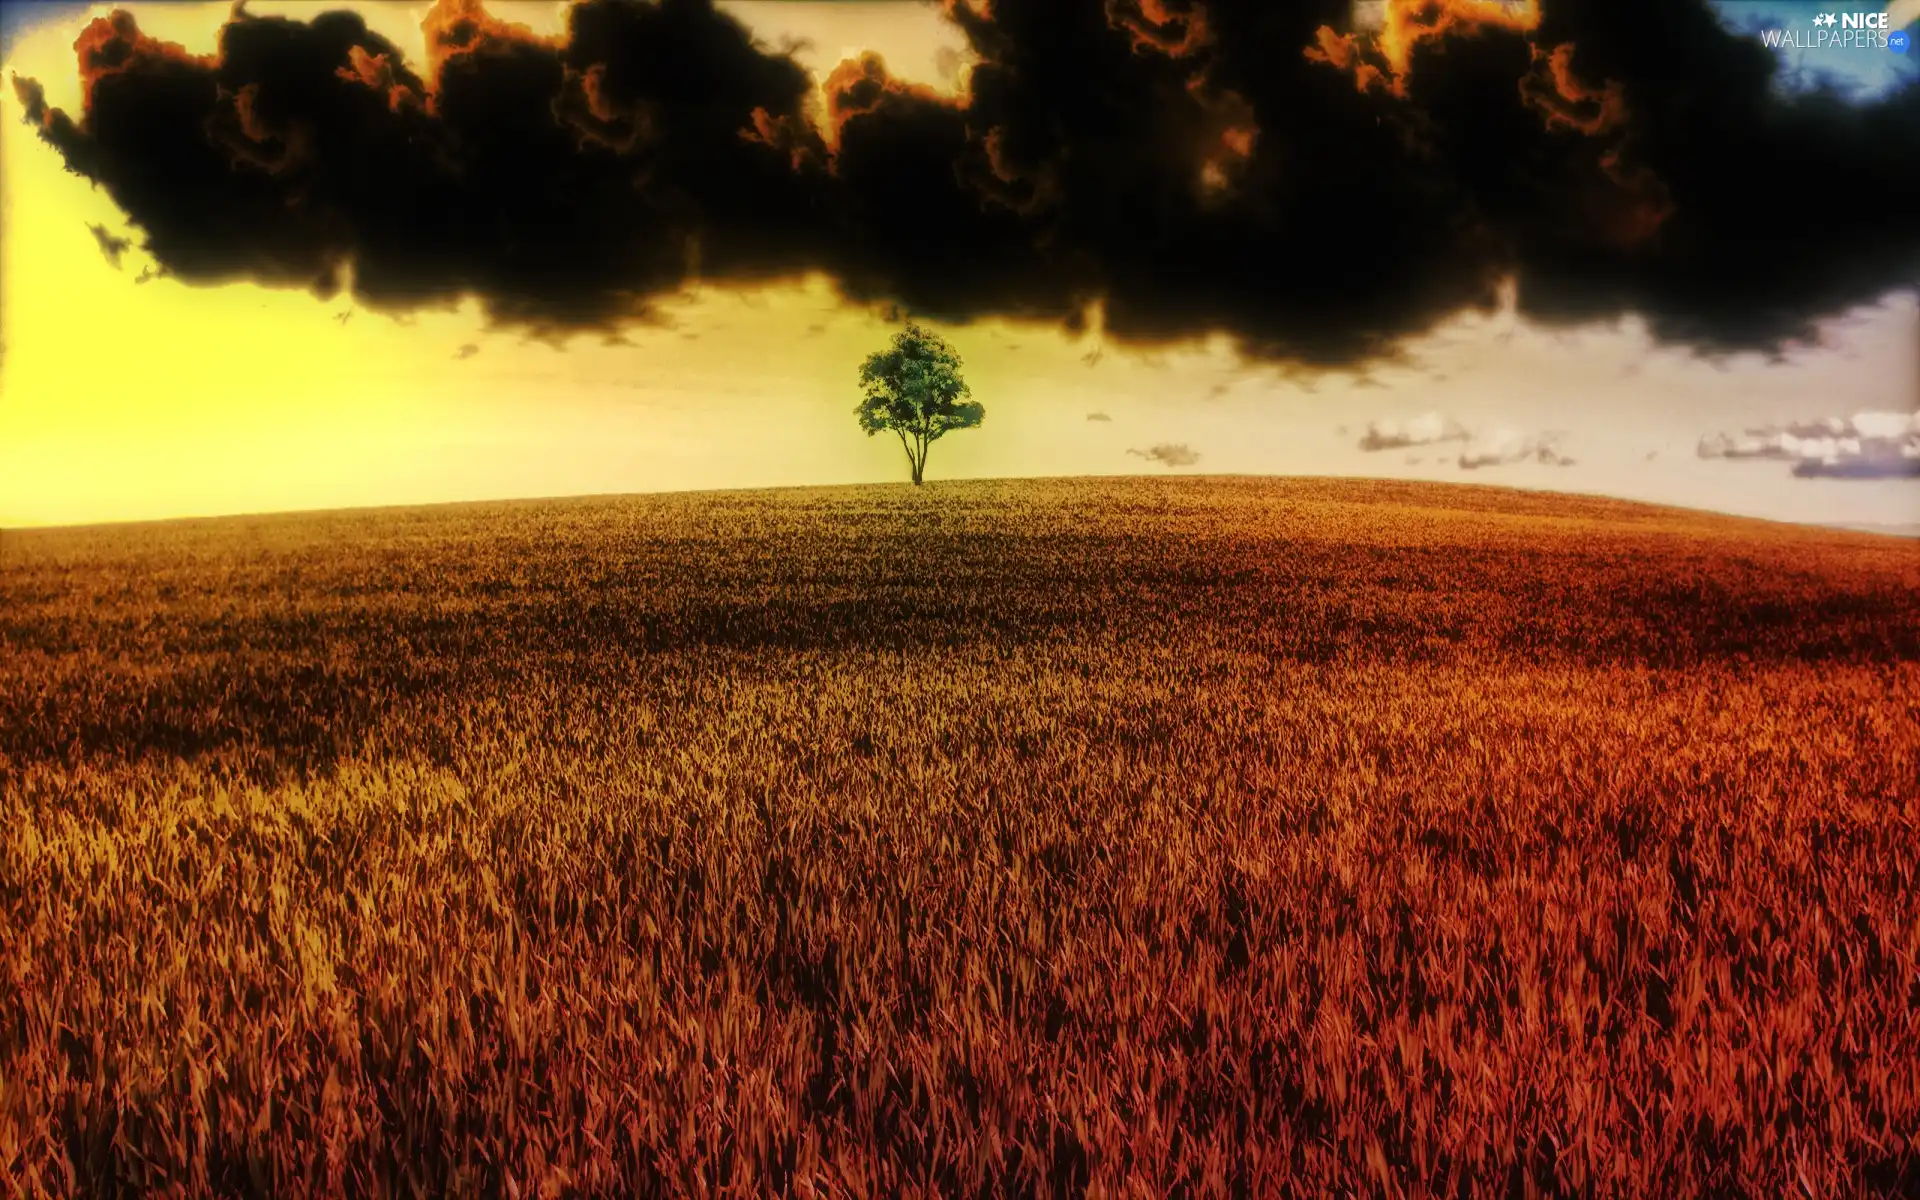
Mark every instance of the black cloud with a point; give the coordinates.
(1195, 165)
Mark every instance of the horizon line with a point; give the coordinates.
(1885, 529)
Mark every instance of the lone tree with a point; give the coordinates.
(913, 387)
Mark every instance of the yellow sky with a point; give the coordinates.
(127, 400)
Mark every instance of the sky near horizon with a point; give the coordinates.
(128, 394)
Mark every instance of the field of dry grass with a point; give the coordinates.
(1125, 838)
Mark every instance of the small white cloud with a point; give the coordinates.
(1171, 454)
(1866, 445)
(1423, 430)
(1501, 446)
(1478, 447)
(1890, 426)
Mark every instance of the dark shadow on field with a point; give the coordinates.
(260, 723)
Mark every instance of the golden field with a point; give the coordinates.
(1162, 837)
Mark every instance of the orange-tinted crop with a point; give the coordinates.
(1125, 838)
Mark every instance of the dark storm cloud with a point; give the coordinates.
(1196, 165)
(565, 183)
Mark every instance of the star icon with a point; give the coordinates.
(1824, 19)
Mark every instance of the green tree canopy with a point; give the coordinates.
(914, 389)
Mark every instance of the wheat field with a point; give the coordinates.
(1150, 837)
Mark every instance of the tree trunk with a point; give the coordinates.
(913, 462)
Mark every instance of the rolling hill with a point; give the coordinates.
(1129, 836)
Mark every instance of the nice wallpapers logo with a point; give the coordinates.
(1841, 31)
